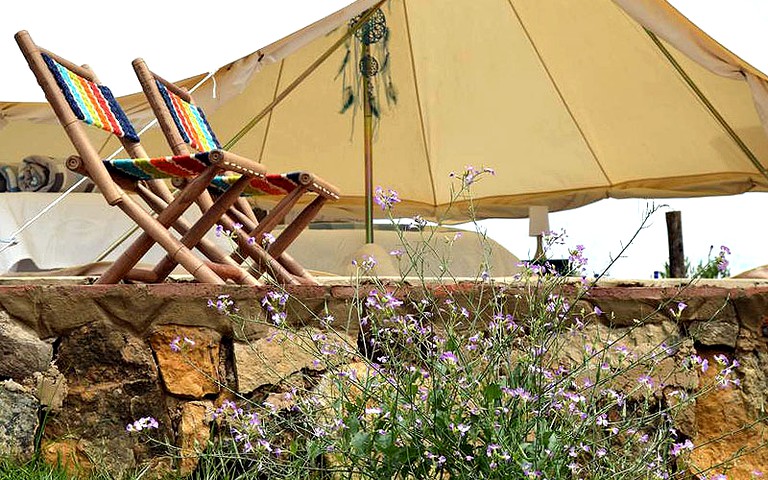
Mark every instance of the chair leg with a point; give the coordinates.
(277, 214)
(202, 226)
(263, 261)
(285, 259)
(243, 206)
(297, 226)
(154, 231)
(168, 216)
(158, 199)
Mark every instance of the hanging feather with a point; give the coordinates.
(385, 64)
(391, 93)
(344, 62)
(348, 99)
(374, 104)
(369, 43)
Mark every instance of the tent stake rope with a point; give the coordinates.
(710, 107)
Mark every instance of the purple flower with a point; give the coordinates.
(175, 344)
(449, 357)
(645, 380)
(145, 423)
(267, 239)
(679, 448)
(386, 200)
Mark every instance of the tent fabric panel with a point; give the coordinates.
(487, 100)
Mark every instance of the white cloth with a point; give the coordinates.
(74, 232)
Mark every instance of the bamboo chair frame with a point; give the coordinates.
(155, 192)
(242, 215)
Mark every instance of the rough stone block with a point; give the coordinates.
(65, 308)
(270, 360)
(722, 416)
(715, 332)
(18, 421)
(22, 302)
(21, 352)
(193, 433)
(191, 367)
(132, 306)
(752, 308)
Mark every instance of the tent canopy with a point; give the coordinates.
(570, 102)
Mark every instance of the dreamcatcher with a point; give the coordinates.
(366, 65)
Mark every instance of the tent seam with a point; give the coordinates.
(418, 103)
(559, 92)
(708, 105)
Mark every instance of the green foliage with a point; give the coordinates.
(714, 267)
(490, 383)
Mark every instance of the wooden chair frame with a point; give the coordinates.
(242, 215)
(155, 192)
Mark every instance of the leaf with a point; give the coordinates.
(360, 441)
(492, 393)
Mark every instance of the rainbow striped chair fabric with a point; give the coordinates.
(77, 97)
(187, 131)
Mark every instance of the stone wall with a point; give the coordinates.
(85, 361)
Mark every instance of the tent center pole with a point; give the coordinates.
(368, 134)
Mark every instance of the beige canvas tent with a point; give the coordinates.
(570, 102)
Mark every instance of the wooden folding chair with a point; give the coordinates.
(187, 131)
(76, 96)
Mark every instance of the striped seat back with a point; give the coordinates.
(190, 121)
(92, 103)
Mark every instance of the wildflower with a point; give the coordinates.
(597, 311)
(645, 380)
(386, 200)
(397, 253)
(721, 261)
(678, 448)
(327, 320)
(145, 423)
(274, 303)
(449, 357)
(267, 239)
(175, 347)
(366, 264)
(602, 420)
(601, 452)
(470, 174)
(224, 304)
(680, 307)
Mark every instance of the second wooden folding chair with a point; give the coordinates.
(187, 131)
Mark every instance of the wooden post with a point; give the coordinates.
(675, 240)
(368, 149)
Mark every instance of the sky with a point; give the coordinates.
(150, 28)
